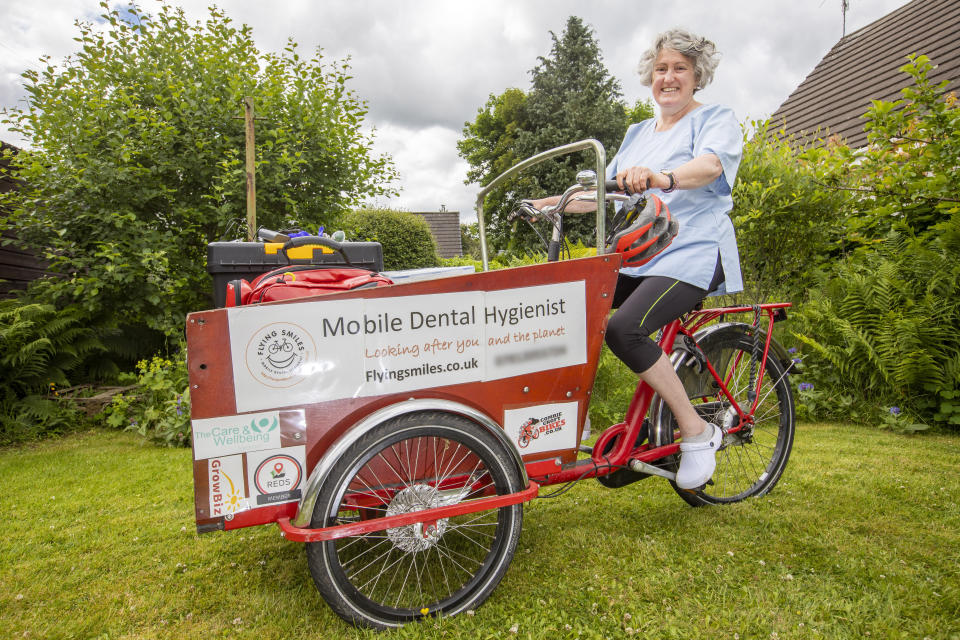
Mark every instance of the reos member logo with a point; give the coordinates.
(277, 353)
(278, 479)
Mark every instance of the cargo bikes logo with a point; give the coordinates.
(277, 353)
(533, 428)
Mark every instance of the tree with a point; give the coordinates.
(137, 158)
(572, 97)
(907, 173)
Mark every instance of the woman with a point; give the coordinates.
(688, 155)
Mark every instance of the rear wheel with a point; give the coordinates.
(753, 455)
(410, 463)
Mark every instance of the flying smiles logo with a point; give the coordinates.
(276, 354)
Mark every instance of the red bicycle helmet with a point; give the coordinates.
(645, 230)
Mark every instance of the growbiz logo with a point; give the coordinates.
(276, 354)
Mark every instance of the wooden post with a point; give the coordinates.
(250, 170)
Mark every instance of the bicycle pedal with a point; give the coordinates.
(697, 490)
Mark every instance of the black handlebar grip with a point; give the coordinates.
(611, 185)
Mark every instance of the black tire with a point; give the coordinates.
(387, 578)
(750, 461)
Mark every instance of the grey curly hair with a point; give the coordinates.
(701, 51)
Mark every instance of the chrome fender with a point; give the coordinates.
(322, 470)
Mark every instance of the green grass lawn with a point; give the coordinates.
(860, 539)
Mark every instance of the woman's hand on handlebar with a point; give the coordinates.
(639, 179)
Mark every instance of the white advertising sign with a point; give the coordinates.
(227, 495)
(235, 434)
(316, 351)
(545, 427)
(276, 476)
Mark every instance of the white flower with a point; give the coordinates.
(514, 628)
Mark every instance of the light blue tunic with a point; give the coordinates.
(705, 226)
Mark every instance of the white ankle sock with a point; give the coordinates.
(703, 436)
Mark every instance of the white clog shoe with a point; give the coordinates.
(698, 460)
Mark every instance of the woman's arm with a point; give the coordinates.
(698, 172)
(573, 205)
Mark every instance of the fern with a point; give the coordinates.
(39, 347)
(884, 324)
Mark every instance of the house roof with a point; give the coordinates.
(445, 227)
(864, 66)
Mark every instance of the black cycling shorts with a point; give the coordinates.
(644, 304)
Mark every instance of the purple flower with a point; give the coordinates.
(792, 350)
(797, 360)
(895, 410)
(805, 386)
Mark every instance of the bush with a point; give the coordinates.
(406, 238)
(160, 407)
(786, 225)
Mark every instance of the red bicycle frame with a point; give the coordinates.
(625, 433)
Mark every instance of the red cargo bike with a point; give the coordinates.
(398, 430)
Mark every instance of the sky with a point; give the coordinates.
(425, 67)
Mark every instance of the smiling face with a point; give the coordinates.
(673, 82)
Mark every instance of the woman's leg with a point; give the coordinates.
(665, 382)
(645, 305)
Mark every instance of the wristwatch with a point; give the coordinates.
(673, 181)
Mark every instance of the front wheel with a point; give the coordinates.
(410, 463)
(752, 458)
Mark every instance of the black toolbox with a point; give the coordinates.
(228, 261)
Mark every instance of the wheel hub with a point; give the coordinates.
(730, 420)
(418, 536)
